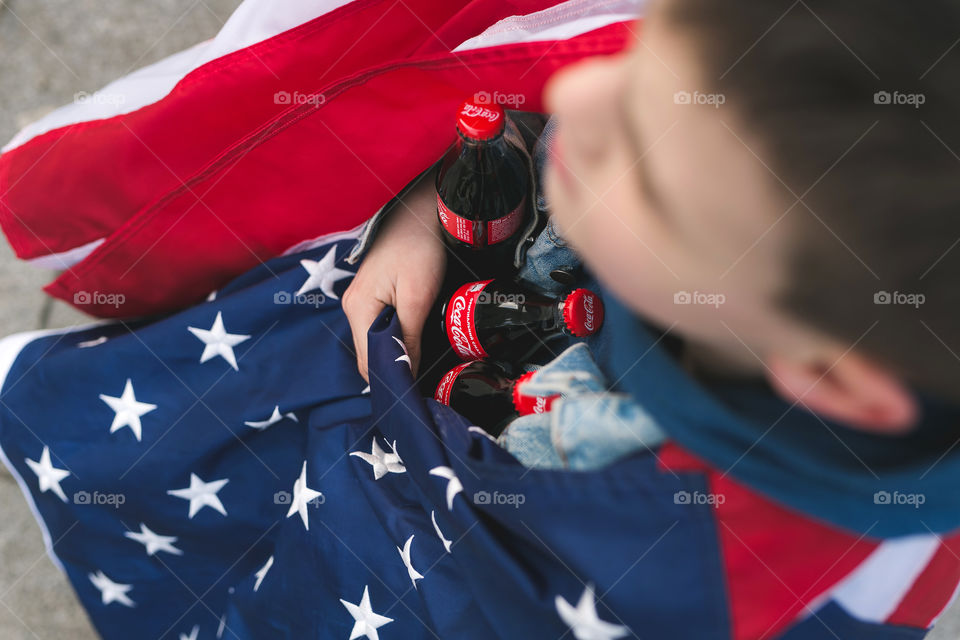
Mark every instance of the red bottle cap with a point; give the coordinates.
(480, 120)
(583, 312)
(526, 405)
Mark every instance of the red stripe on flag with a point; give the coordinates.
(777, 561)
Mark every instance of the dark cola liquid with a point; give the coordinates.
(511, 322)
(482, 392)
(486, 183)
(499, 319)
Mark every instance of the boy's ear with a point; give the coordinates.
(853, 390)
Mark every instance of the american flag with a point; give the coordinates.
(224, 472)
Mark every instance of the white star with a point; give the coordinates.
(323, 274)
(274, 418)
(382, 462)
(153, 541)
(406, 356)
(218, 342)
(583, 619)
(86, 344)
(201, 494)
(302, 496)
(405, 556)
(193, 633)
(261, 574)
(366, 622)
(48, 476)
(453, 483)
(127, 410)
(111, 591)
(446, 543)
(482, 432)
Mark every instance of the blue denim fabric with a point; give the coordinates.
(549, 251)
(587, 427)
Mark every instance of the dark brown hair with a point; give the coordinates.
(857, 101)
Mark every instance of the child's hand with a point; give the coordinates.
(404, 268)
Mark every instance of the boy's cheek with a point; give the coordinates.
(626, 250)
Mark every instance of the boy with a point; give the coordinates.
(775, 183)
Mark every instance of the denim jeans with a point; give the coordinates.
(587, 427)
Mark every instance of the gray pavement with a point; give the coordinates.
(50, 50)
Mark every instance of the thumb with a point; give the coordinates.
(412, 316)
(361, 310)
(411, 340)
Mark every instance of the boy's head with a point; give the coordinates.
(780, 180)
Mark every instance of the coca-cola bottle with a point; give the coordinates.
(482, 188)
(486, 393)
(502, 319)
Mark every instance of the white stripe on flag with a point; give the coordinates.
(560, 22)
(874, 590)
(326, 238)
(252, 22)
(66, 259)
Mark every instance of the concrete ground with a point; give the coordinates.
(50, 50)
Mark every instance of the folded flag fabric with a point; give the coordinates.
(223, 472)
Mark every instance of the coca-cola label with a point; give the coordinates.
(445, 386)
(457, 226)
(461, 322)
(503, 228)
(583, 313)
(473, 110)
(497, 230)
(529, 404)
(588, 313)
